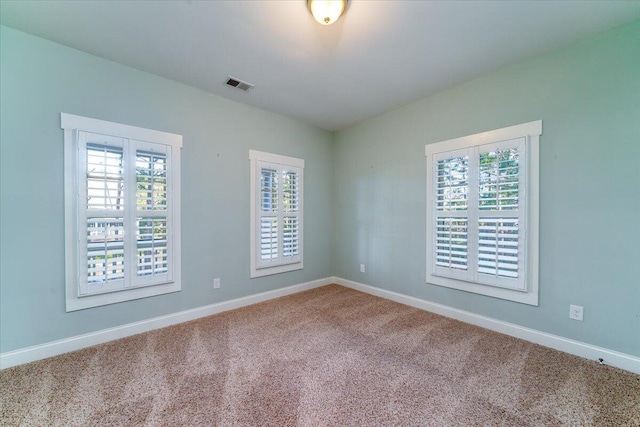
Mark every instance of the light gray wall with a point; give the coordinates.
(371, 180)
(588, 96)
(38, 80)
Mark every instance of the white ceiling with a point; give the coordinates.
(379, 55)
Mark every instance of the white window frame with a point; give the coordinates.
(258, 159)
(525, 289)
(76, 131)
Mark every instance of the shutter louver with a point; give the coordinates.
(105, 249)
(452, 184)
(268, 238)
(269, 190)
(105, 177)
(451, 243)
(151, 181)
(498, 180)
(151, 245)
(290, 191)
(498, 247)
(290, 239)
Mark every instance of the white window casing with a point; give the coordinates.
(122, 212)
(482, 213)
(276, 217)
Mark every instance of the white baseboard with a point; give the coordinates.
(54, 348)
(587, 351)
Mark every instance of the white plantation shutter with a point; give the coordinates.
(501, 211)
(291, 214)
(153, 213)
(105, 251)
(125, 191)
(451, 243)
(482, 213)
(451, 202)
(269, 241)
(279, 214)
(269, 234)
(276, 200)
(290, 237)
(476, 211)
(102, 211)
(498, 241)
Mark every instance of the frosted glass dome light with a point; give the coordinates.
(327, 12)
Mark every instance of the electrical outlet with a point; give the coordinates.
(361, 268)
(216, 283)
(575, 312)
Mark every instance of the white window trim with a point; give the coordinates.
(255, 157)
(71, 124)
(531, 132)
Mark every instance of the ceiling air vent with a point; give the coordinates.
(239, 84)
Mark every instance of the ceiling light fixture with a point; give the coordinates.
(327, 12)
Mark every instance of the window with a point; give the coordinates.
(122, 212)
(276, 213)
(482, 213)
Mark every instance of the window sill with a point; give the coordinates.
(530, 296)
(267, 271)
(75, 303)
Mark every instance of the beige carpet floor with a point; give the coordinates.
(331, 356)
